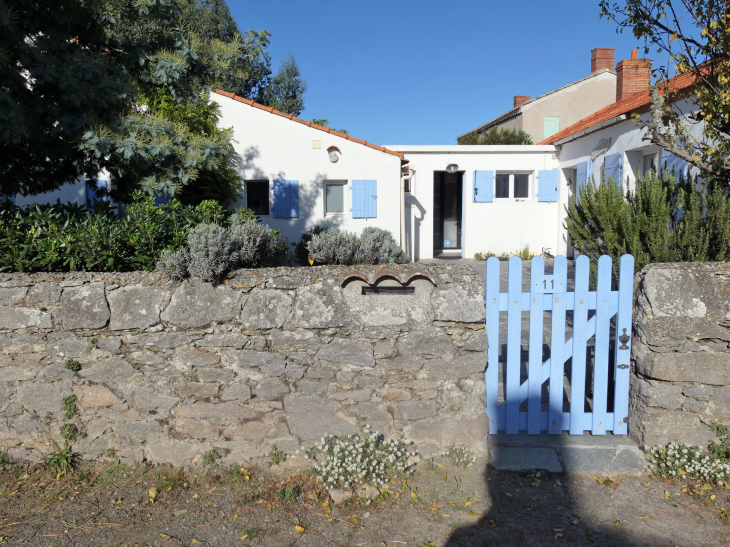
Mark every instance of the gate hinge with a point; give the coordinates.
(623, 366)
(626, 420)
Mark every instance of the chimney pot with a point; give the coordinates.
(632, 76)
(602, 57)
(520, 99)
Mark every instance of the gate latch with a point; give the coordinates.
(623, 366)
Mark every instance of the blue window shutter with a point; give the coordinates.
(612, 164)
(293, 198)
(372, 203)
(670, 162)
(547, 186)
(483, 187)
(364, 199)
(581, 175)
(286, 198)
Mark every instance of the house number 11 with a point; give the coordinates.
(546, 285)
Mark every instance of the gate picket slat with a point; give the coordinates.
(578, 372)
(556, 366)
(514, 349)
(492, 371)
(622, 359)
(603, 331)
(534, 371)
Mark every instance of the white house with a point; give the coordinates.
(467, 199)
(297, 174)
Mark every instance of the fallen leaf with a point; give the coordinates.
(418, 523)
(414, 497)
(535, 484)
(299, 529)
(575, 521)
(666, 494)
(706, 487)
(445, 515)
(164, 536)
(153, 494)
(326, 502)
(327, 511)
(589, 532)
(647, 484)
(452, 504)
(244, 537)
(712, 497)
(354, 520)
(366, 515)
(193, 541)
(508, 494)
(441, 466)
(617, 524)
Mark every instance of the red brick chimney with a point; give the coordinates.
(601, 57)
(632, 75)
(519, 99)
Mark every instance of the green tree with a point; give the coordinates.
(73, 75)
(287, 89)
(695, 35)
(326, 123)
(497, 136)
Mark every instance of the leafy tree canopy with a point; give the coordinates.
(87, 85)
(287, 89)
(497, 136)
(695, 36)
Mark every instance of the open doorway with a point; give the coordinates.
(447, 206)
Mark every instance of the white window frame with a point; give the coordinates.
(268, 194)
(657, 160)
(511, 185)
(345, 202)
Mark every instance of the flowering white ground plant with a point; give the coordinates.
(462, 457)
(688, 461)
(366, 458)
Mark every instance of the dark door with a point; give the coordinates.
(447, 202)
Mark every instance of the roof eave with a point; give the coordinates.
(592, 129)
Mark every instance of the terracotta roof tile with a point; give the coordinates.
(637, 103)
(309, 124)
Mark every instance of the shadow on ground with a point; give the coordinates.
(536, 508)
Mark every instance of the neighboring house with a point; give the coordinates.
(297, 175)
(608, 144)
(547, 114)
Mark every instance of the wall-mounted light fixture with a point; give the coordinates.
(452, 168)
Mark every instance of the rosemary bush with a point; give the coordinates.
(665, 219)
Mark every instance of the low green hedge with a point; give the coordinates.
(60, 237)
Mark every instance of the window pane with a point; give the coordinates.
(257, 196)
(502, 186)
(334, 198)
(521, 183)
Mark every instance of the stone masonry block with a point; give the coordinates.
(84, 307)
(348, 352)
(135, 307)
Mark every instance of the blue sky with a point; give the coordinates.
(423, 72)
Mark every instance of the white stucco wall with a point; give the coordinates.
(271, 147)
(504, 225)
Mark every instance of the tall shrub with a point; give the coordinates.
(665, 219)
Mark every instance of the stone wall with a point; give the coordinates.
(272, 356)
(681, 362)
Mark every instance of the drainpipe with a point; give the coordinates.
(403, 179)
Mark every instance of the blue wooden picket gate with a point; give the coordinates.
(550, 293)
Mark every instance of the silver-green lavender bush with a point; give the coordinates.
(253, 243)
(210, 248)
(333, 246)
(377, 246)
(174, 265)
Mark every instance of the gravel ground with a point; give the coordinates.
(439, 505)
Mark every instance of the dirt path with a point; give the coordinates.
(439, 505)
